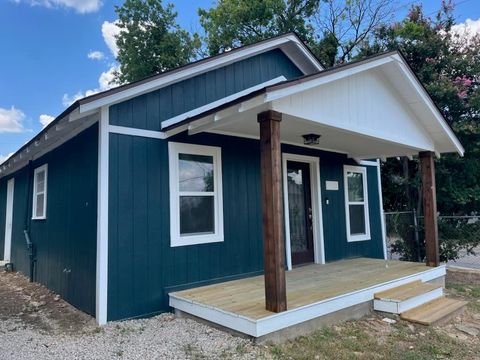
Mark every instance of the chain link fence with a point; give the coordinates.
(459, 238)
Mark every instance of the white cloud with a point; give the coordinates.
(80, 6)
(5, 157)
(470, 28)
(11, 120)
(109, 31)
(104, 83)
(96, 55)
(45, 119)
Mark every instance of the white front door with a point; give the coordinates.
(8, 220)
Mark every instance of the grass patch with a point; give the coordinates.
(354, 340)
(192, 352)
(468, 292)
(373, 339)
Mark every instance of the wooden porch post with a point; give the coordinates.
(427, 164)
(273, 242)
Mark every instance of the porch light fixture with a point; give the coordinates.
(311, 139)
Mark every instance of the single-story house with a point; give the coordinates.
(243, 188)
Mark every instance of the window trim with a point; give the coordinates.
(174, 149)
(37, 170)
(361, 170)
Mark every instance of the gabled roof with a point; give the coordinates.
(86, 107)
(290, 43)
(410, 86)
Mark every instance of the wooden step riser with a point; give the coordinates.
(395, 307)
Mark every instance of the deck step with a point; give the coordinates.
(434, 311)
(405, 297)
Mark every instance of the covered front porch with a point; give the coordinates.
(372, 109)
(312, 291)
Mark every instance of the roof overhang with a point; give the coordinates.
(82, 112)
(290, 44)
(413, 124)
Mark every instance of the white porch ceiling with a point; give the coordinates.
(332, 139)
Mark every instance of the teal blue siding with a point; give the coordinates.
(334, 216)
(149, 110)
(66, 239)
(143, 267)
(3, 208)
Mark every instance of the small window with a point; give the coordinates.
(39, 210)
(356, 203)
(196, 208)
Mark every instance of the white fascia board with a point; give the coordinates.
(176, 119)
(429, 102)
(194, 70)
(309, 84)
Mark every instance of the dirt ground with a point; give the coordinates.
(37, 324)
(33, 305)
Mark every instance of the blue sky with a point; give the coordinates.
(45, 63)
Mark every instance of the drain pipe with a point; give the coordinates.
(28, 219)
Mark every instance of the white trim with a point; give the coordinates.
(360, 170)
(282, 320)
(124, 130)
(40, 147)
(174, 149)
(102, 218)
(431, 105)
(36, 193)
(366, 163)
(7, 249)
(382, 211)
(317, 213)
(189, 114)
(196, 69)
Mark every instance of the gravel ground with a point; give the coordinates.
(162, 337)
(36, 324)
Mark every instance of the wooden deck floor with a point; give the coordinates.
(305, 285)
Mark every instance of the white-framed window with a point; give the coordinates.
(39, 209)
(196, 203)
(356, 203)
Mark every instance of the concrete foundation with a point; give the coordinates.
(351, 313)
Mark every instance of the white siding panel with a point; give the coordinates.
(363, 103)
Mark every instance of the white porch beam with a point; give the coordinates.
(220, 102)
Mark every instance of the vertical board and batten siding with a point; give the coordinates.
(141, 263)
(3, 211)
(66, 239)
(149, 110)
(334, 216)
(143, 267)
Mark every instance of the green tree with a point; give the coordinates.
(150, 41)
(448, 64)
(232, 23)
(334, 29)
